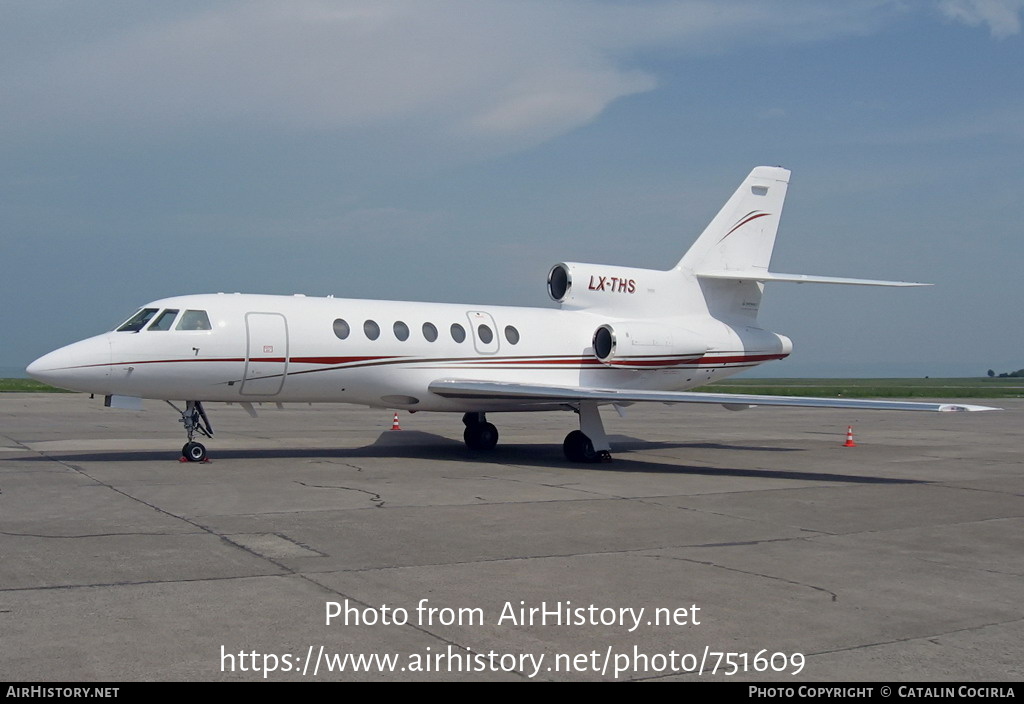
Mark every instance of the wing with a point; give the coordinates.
(534, 395)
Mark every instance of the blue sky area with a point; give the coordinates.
(454, 151)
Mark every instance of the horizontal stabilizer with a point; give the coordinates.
(799, 278)
(534, 394)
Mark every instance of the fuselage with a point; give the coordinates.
(258, 348)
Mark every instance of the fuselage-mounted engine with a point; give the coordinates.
(599, 287)
(637, 345)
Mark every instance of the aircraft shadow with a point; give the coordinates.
(412, 444)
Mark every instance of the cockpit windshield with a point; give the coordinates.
(164, 320)
(138, 321)
(190, 320)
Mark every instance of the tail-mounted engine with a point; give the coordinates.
(630, 345)
(595, 286)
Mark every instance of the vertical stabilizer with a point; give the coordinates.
(742, 235)
(740, 239)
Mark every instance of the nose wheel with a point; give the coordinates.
(195, 421)
(194, 452)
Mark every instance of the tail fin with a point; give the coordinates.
(729, 261)
(741, 237)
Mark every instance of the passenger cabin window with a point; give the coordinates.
(429, 332)
(194, 320)
(458, 333)
(341, 329)
(401, 331)
(138, 321)
(511, 334)
(164, 321)
(484, 333)
(371, 330)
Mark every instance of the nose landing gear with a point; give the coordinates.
(195, 421)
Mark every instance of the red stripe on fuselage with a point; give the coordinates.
(480, 362)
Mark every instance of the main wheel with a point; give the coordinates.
(579, 448)
(194, 452)
(480, 436)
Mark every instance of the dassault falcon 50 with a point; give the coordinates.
(620, 336)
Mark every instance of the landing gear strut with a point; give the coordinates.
(479, 434)
(195, 421)
(589, 443)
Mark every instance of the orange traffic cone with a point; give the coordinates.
(849, 437)
(394, 423)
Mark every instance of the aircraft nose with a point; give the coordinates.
(37, 367)
(80, 366)
(41, 368)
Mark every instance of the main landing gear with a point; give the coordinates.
(195, 421)
(588, 444)
(479, 434)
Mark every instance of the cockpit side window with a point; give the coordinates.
(194, 320)
(164, 320)
(138, 321)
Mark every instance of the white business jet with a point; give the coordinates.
(621, 336)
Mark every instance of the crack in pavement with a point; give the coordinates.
(835, 597)
(374, 496)
(102, 535)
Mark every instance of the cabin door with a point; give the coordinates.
(266, 355)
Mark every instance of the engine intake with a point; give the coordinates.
(559, 282)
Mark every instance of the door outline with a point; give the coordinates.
(477, 318)
(265, 334)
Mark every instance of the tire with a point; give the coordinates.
(480, 436)
(579, 448)
(194, 452)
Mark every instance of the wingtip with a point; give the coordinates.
(961, 407)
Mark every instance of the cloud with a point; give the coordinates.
(469, 77)
(1001, 16)
(483, 69)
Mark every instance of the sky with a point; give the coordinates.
(454, 150)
